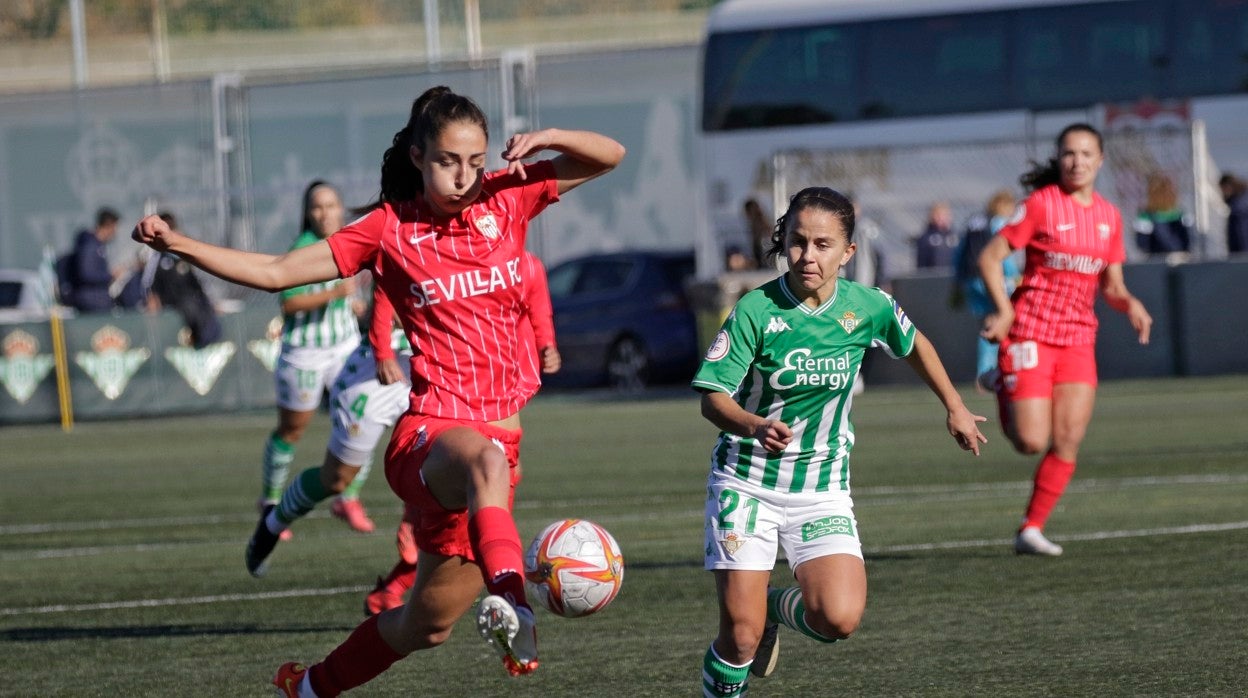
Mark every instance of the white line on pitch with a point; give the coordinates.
(190, 601)
(295, 593)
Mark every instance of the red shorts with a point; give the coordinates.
(1030, 369)
(436, 528)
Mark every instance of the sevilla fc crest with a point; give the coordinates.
(488, 226)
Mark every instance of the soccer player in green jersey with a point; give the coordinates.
(778, 381)
(320, 331)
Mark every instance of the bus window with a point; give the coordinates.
(937, 65)
(778, 78)
(1074, 55)
(1210, 54)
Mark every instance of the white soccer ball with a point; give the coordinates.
(573, 568)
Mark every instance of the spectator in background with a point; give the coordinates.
(760, 230)
(89, 275)
(968, 286)
(173, 284)
(1235, 193)
(1161, 227)
(934, 247)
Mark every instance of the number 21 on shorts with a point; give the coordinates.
(737, 512)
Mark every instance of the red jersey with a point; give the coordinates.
(1068, 245)
(457, 287)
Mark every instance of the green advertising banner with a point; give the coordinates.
(134, 364)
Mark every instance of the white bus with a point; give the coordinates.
(876, 74)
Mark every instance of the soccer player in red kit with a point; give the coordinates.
(1073, 246)
(544, 358)
(445, 240)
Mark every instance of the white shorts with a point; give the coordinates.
(744, 522)
(304, 374)
(362, 409)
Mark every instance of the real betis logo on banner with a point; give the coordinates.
(22, 369)
(111, 363)
(267, 349)
(200, 368)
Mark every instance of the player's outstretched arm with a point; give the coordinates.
(963, 425)
(262, 271)
(996, 324)
(724, 412)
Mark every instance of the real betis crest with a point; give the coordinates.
(200, 368)
(488, 226)
(731, 543)
(22, 369)
(111, 363)
(267, 349)
(849, 321)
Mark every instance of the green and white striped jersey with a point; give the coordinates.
(327, 326)
(781, 359)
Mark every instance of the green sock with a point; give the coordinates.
(720, 679)
(301, 497)
(278, 456)
(353, 489)
(784, 606)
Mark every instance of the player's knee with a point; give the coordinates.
(738, 644)
(834, 625)
(490, 469)
(1029, 445)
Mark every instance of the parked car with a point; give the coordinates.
(23, 297)
(623, 319)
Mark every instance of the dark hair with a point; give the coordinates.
(822, 198)
(306, 224)
(434, 110)
(1042, 175)
(105, 216)
(1235, 185)
(169, 219)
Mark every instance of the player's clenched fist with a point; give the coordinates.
(153, 232)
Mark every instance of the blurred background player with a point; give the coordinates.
(389, 591)
(1073, 244)
(1235, 194)
(172, 283)
(1163, 230)
(968, 285)
(448, 239)
(84, 275)
(320, 329)
(366, 399)
(778, 382)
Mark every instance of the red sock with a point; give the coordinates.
(401, 578)
(496, 543)
(360, 659)
(1052, 475)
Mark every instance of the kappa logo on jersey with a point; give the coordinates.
(849, 321)
(776, 324)
(488, 226)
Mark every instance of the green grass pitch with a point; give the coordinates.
(121, 557)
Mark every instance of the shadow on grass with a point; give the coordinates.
(125, 632)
